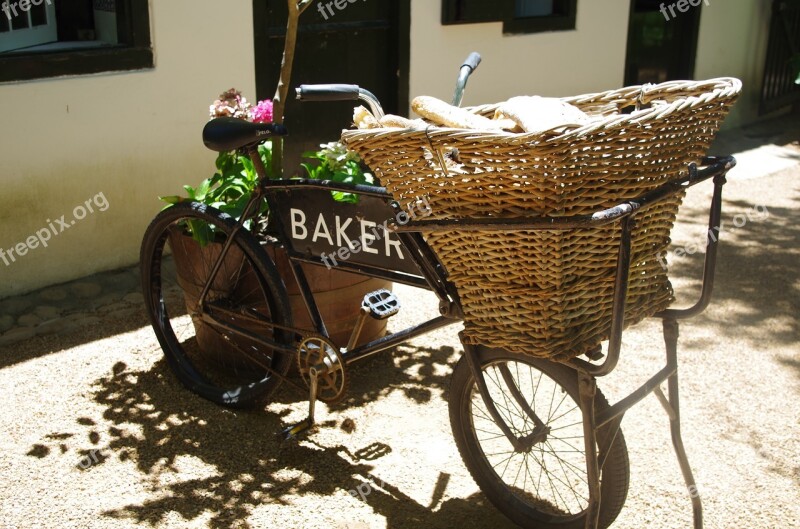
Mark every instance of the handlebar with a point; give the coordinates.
(473, 61)
(328, 92)
(340, 92)
(351, 92)
(469, 66)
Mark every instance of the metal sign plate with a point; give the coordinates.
(336, 232)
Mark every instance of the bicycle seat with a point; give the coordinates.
(230, 134)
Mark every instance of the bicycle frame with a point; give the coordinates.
(433, 277)
(431, 273)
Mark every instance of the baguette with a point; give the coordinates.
(441, 113)
(398, 122)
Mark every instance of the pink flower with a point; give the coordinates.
(262, 113)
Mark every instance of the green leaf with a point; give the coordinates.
(173, 199)
(348, 198)
(202, 190)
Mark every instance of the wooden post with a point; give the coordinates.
(296, 8)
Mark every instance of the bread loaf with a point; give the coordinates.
(540, 114)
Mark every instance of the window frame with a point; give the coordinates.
(512, 25)
(137, 54)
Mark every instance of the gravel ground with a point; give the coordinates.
(96, 433)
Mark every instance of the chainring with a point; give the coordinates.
(317, 351)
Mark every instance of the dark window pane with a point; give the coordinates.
(471, 11)
(20, 21)
(533, 8)
(3, 22)
(39, 15)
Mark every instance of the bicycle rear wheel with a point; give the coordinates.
(225, 349)
(544, 486)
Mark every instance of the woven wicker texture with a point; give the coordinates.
(548, 293)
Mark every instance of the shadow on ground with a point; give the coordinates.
(238, 464)
(758, 266)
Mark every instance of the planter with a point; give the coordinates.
(338, 295)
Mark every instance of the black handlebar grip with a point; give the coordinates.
(328, 92)
(473, 61)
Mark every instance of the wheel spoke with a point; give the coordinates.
(228, 367)
(559, 488)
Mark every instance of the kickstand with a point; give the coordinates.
(292, 432)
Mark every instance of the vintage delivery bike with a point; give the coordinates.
(538, 437)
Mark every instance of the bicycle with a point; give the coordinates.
(233, 291)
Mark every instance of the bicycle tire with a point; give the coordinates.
(530, 508)
(209, 360)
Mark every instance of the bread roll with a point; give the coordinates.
(363, 119)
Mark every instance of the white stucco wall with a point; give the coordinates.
(590, 58)
(131, 136)
(134, 136)
(733, 42)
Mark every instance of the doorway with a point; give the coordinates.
(364, 43)
(662, 41)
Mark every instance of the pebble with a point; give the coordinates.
(15, 306)
(106, 300)
(47, 313)
(29, 320)
(54, 326)
(53, 294)
(135, 298)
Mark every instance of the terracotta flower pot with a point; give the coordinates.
(338, 294)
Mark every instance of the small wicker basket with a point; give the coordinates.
(549, 293)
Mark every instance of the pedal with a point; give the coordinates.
(382, 304)
(295, 431)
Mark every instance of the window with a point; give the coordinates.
(48, 38)
(517, 16)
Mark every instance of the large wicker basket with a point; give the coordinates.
(549, 293)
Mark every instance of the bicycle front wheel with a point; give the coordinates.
(545, 485)
(230, 346)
